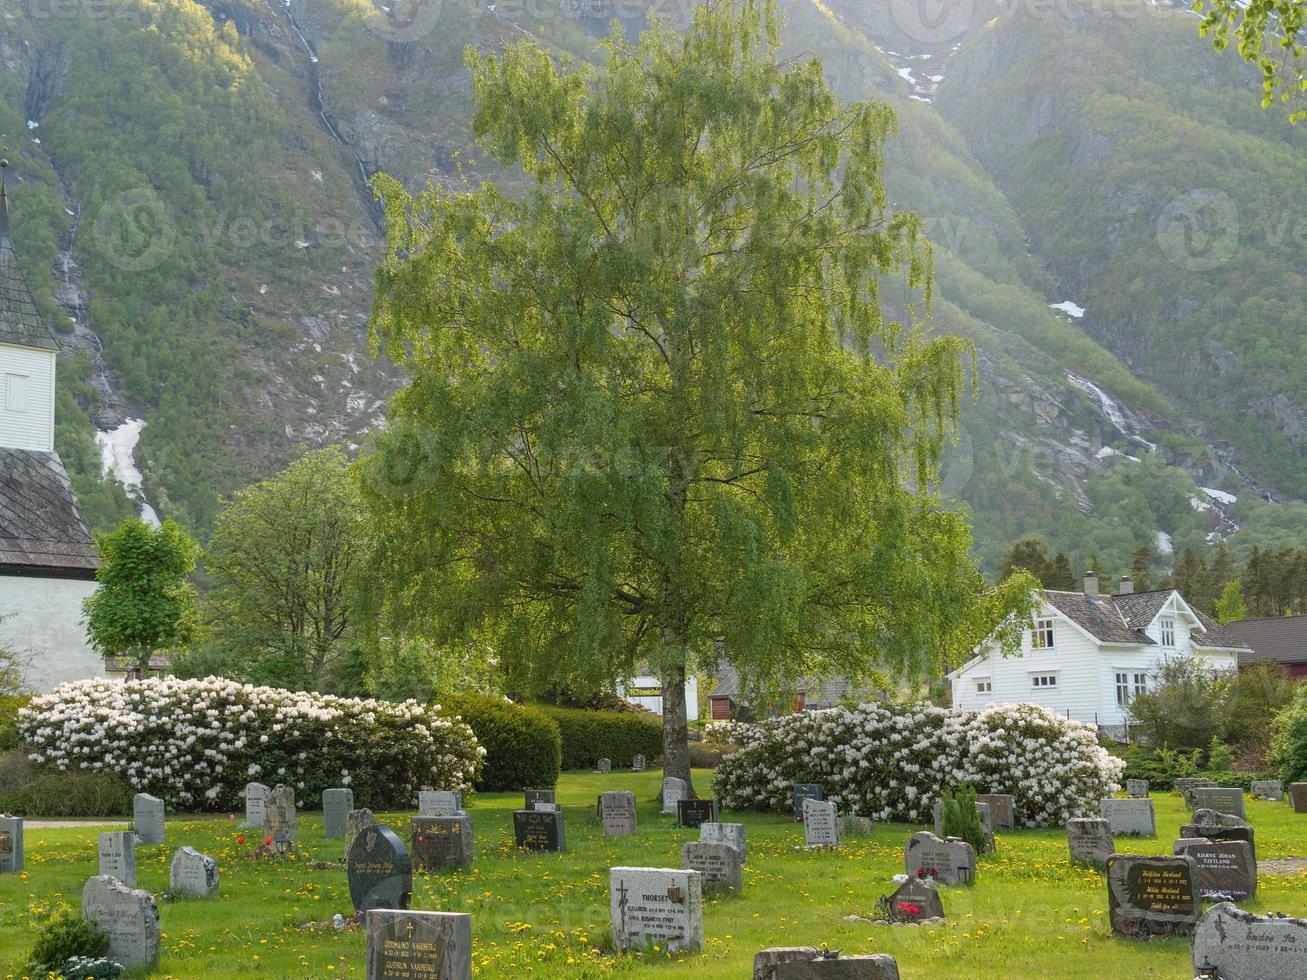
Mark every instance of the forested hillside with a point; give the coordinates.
(192, 209)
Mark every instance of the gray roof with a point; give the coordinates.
(20, 321)
(824, 691)
(1282, 639)
(41, 526)
(1123, 618)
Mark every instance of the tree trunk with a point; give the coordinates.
(676, 730)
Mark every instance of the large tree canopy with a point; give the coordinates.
(656, 411)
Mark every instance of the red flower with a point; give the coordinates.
(267, 842)
(240, 838)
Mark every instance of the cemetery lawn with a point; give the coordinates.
(1028, 915)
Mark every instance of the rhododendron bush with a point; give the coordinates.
(893, 762)
(196, 743)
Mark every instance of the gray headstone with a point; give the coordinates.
(1222, 799)
(656, 905)
(820, 827)
(1226, 870)
(604, 765)
(638, 763)
(440, 803)
(147, 818)
(1152, 896)
(336, 807)
(379, 869)
(533, 796)
(950, 861)
(1186, 785)
(1267, 789)
(256, 798)
(916, 900)
(117, 852)
(1215, 818)
(279, 819)
(856, 825)
(674, 790)
(355, 822)
(718, 863)
(1131, 818)
(539, 830)
(128, 916)
(807, 963)
(1243, 946)
(806, 791)
(617, 812)
(437, 843)
(1298, 797)
(726, 833)
(986, 822)
(1090, 840)
(1136, 788)
(410, 945)
(193, 873)
(11, 843)
(1002, 809)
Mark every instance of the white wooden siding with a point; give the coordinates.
(32, 428)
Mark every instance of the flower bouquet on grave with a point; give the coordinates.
(906, 912)
(928, 874)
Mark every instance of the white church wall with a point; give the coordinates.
(41, 619)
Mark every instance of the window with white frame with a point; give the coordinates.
(1168, 632)
(1123, 688)
(984, 685)
(17, 387)
(1041, 637)
(1043, 682)
(1141, 684)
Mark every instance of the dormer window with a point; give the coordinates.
(16, 392)
(1167, 628)
(1041, 637)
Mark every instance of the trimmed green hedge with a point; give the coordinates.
(522, 743)
(589, 736)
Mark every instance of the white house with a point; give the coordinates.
(47, 561)
(646, 690)
(1089, 654)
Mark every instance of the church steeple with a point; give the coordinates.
(21, 323)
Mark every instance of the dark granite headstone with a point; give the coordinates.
(916, 900)
(692, 813)
(539, 830)
(638, 763)
(437, 843)
(810, 963)
(1246, 833)
(1243, 946)
(418, 945)
(1298, 797)
(1222, 799)
(534, 796)
(379, 869)
(1152, 896)
(806, 791)
(1226, 870)
(1185, 786)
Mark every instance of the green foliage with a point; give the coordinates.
(523, 746)
(63, 936)
(1186, 708)
(1031, 555)
(67, 794)
(1289, 748)
(1160, 766)
(1258, 693)
(962, 820)
(589, 736)
(10, 705)
(144, 602)
(1269, 35)
(1230, 607)
(1220, 757)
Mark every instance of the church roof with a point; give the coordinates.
(20, 321)
(41, 526)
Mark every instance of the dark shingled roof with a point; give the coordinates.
(41, 526)
(1220, 636)
(1281, 638)
(20, 321)
(818, 692)
(1099, 615)
(1141, 608)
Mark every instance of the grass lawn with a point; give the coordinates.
(1029, 914)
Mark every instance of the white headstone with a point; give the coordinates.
(656, 905)
(336, 806)
(439, 803)
(128, 916)
(820, 826)
(193, 873)
(118, 855)
(1131, 817)
(726, 833)
(674, 790)
(147, 818)
(256, 799)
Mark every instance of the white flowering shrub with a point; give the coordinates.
(196, 743)
(739, 733)
(894, 762)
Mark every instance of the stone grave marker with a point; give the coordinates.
(1243, 946)
(856, 825)
(355, 822)
(1298, 797)
(1267, 789)
(638, 763)
(1222, 799)
(810, 963)
(1226, 870)
(193, 873)
(806, 791)
(117, 852)
(674, 790)
(718, 863)
(415, 945)
(128, 916)
(147, 818)
(1129, 817)
(726, 833)
(336, 807)
(950, 861)
(1215, 818)
(11, 843)
(440, 803)
(693, 813)
(656, 905)
(986, 821)
(280, 819)
(1136, 788)
(1002, 809)
(604, 766)
(1186, 785)
(1152, 896)
(1220, 833)
(539, 830)
(820, 826)
(437, 843)
(256, 799)
(379, 869)
(1090, 840)
(915, 901)
(534, 796)
(617, 812)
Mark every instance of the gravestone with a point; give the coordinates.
(1130, 818)
(1152, 896)
(855, 825)
(656, 905)
(539, 830)
(437, 843)
(604, 766)
(534, 796)
(1215, 818)
(440, 803)
(11, 843)
(950, 861)
(147, 818)
(1186, 785)
(355, 822)
(1226, 870)
(279, 819)
(336, 807)
(128, 916)
(1243, 946)
(718, 863)
(916, 900)
(726, 833)
(193, 873)
(1222, 799)
(1298, 797)
(1090, 840)
(117, 852)
(256, 799)
(544, 807)
(810, 963)
(1192, 831)
(806, 791)
(1136, 788)
(638, 763)
(693, 813)
(1002, 809)
(379, 869)
(820, 827)
(1267, 789)
(416, 945)
(617, 813)
(674, 790)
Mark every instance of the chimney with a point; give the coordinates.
(1091, 583)
(1127, 585)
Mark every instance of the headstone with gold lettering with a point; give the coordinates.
(1152, 896)
(379, 869)
(437, 843)
(539, 830)
(414, 945)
